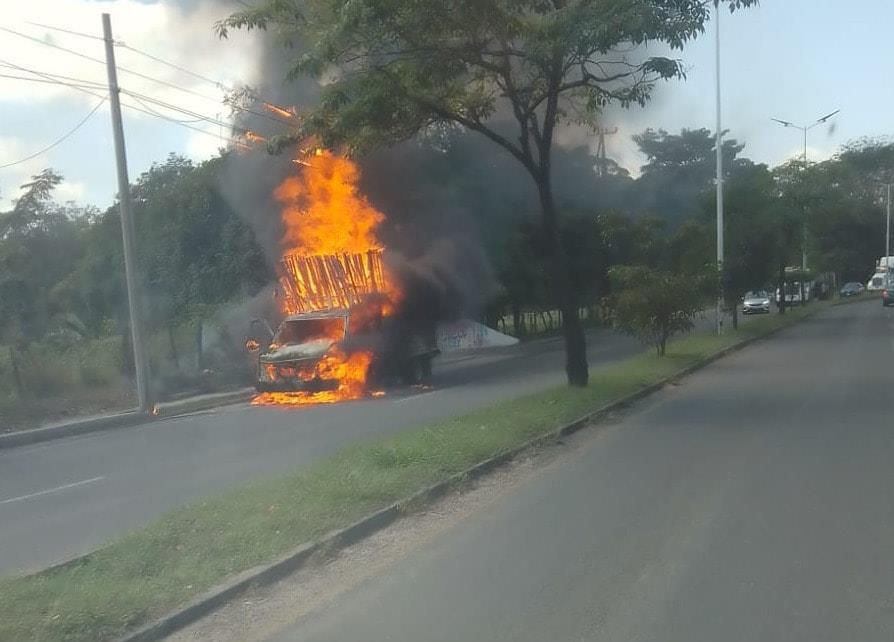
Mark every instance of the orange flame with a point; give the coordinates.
(349, 370)
(323, 211)
(254, 137)
(279, 111)
(331, 258)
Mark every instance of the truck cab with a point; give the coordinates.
(288, 361)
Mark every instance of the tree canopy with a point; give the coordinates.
(510, 71)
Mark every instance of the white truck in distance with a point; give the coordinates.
(883, 267)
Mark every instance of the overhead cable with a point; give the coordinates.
(59, 140)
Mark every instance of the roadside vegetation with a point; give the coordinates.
(193, 548)
(654, 305)
(64, 346)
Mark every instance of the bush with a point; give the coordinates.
(653, 305)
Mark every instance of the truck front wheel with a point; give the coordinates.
(417, 370)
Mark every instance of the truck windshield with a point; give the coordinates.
(305, 330)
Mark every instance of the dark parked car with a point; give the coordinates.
(851, 289)
(888, 292)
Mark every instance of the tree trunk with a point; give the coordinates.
(16, 375)
(200, 357)
(175, 357)
(781, 287)
(575, 343)
(735, 316)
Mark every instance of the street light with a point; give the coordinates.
(719, 195)
(888, 228)
(805, 129)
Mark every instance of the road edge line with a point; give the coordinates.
(340, 539)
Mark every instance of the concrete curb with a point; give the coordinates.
(37, 435)
(339, 539)
(203, 402)
(124, 419)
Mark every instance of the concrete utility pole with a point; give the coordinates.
(141, 363)
(719, 143)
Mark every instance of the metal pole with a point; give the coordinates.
(888, 231)
(805, 145)
(804, 231)
(718, 144)
(127, 228)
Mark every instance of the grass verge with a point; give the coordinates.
(193, 548)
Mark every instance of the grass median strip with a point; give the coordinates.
(193, 548)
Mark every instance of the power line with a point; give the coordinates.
(58, 140)
(183, 110)
(190, 72)
(102, 62)
(49, 78)
(220, 85)
(51, 82)
(148, 108)
(74, 33)
(144, 76)
(173, 65)
(227, 139)
(80, 81)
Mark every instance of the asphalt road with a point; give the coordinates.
(66, 497)
(752, 502)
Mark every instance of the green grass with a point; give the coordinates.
(192, 548)
(62, 382)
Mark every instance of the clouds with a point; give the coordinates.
(791, 74)
(33, 114)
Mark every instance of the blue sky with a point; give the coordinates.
(792, 59)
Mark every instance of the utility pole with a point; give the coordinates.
(141, 364)
(718, 144)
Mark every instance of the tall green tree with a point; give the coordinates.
(513, 71)
(847, 222)
(750, 231)
(679, 168)
(793, 197)
(40, 242)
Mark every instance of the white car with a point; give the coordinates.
(756, 302)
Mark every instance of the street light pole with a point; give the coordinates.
(804, 129)
(888, 230)
(719, 178)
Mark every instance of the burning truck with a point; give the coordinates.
(344, 337)
(345, 331)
